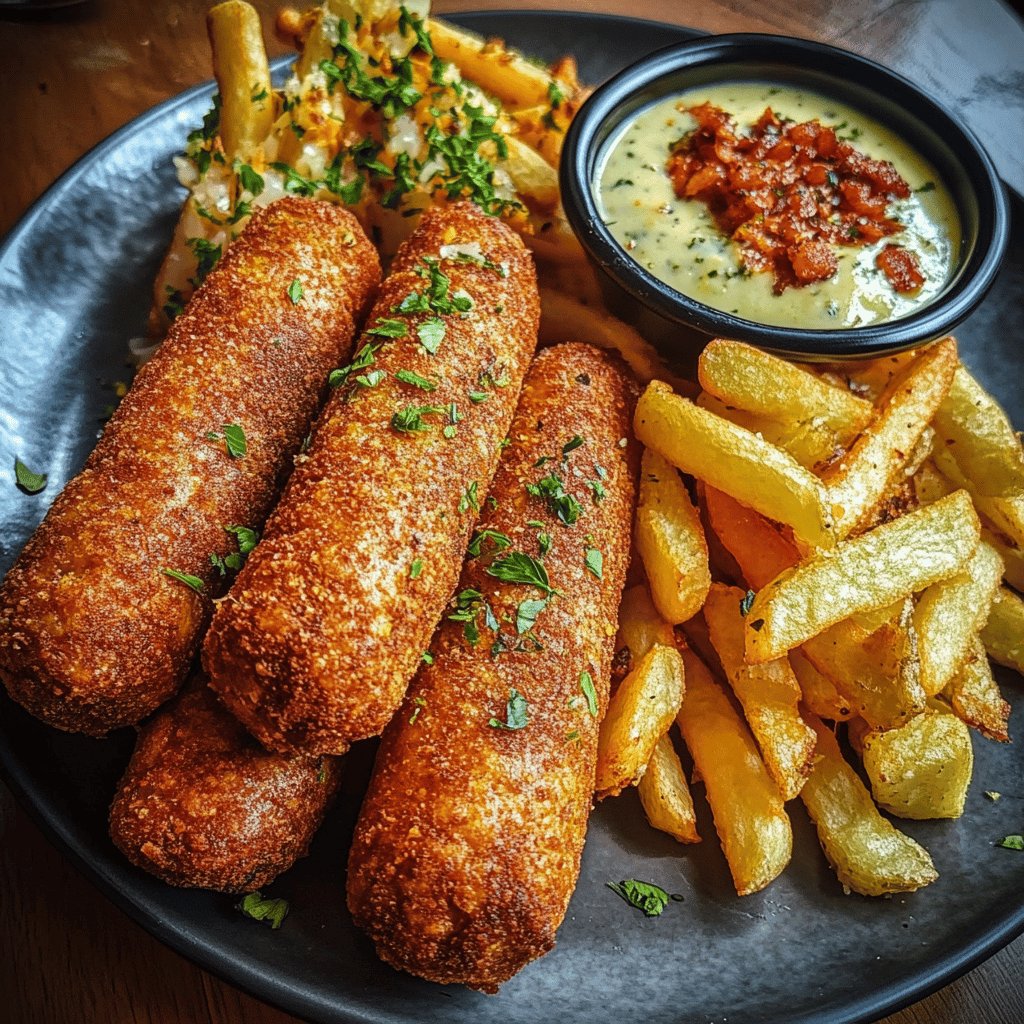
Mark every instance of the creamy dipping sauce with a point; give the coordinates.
(678, 241)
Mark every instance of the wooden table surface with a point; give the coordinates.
(68, 79)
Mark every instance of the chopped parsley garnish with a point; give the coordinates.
(246, 539)
(294, 182)
(469, 499)
(476, 397)
(1011, 842)
(594, 561)
(928, 186)
(431, 333)
(527, 612)
(416, 568)
(255, 906)
(363, 359)
(427, 658)
(257, 96)
(543, 543)
(385, 327)
(516, 715)
(587, 686)
(295, 292)
(420, 702)
(407, 21)
(517, 567)
(389, 95)
(645, 896)
(175, 304)
(26, 480)
(234, 440)
(207, 255)
(250, 180)
(410, 419)
(184, 577)
(552, 491)
(408, 377)
(598, 490)
(467, 606)
(498, 540)
(555, 94)
(371, 379)
(572, 445)
(747, 601)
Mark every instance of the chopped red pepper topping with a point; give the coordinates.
(788, 193)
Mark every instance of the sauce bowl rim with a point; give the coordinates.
(985, 246)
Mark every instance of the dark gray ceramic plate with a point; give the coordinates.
(74, 286)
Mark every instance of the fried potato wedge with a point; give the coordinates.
(949, 614)
(922, 769)
(974, 696)
(750, 819)
(639, 714)
(809, 443)
(819, 694)
(665, 795)
(752, 379)
(670, 539)
(769, 694)
(869, 571)
(1005, 514)
(734, 460)
(1003, 635)
(640, 625)
(868, 853)
(534, 178)
(861, 480)
(974, 427)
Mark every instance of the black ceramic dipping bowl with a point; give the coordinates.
(678, 323)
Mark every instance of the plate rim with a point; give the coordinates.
(246, 975)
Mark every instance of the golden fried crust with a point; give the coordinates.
(203, 805)
(468, 844)
(92, 635)
(316, 642)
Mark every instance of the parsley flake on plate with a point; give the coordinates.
(26, 480)
(645, 896)
(254, 905)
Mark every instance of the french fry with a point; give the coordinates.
(974, 696)
(1003, 635)
(665, 795)
(760, 549)
(534, 178)
(921, 770)
(503, 73)
(862, 573)
(640, 625)
(868, 472)
(870, 378)
(750, 819)
(563, 318)
(1012, 556)
(752, 379)
(818, 692)
(243, 77)
(949, 614)
(809, 443)
(768, 693)
(1005, 514)
(670, 539)
(868, 853)
(639, 714)
(734, 460)
(982, 440)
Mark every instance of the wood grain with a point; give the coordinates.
(69, 956)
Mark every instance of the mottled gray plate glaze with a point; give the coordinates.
(74, 286)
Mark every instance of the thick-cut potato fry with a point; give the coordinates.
(868, 853)
(769, 693)
(949, 614)
(670, 539)
(1005, 514)
(639, 714)
(503, 73)
(752, 379)
(860, 481)
(243, 77)
(922, 769)
(666, 796)
(564, 318)
(872, 672)
(1012, 556)
(1003, 635)
(870, 378)
(760, 550)
(809, 443)
(974, 695)
(750, 819)
(534, 178)
(735, 461)
(869, 571)
(640, 625)
(819, 693)
(985, 445)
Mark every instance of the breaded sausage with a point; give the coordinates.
(94, 634)
(468, 844)
(316, 642)
(203, 805)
